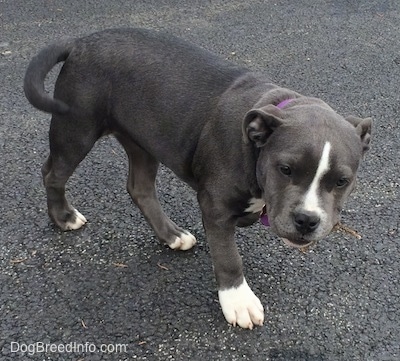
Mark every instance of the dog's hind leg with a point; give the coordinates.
(68, 147)
(141, 186)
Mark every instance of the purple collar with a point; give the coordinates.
(263, 217)
(283, 103)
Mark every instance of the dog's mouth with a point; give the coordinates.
(298, 243)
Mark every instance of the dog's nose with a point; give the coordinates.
(306, 222)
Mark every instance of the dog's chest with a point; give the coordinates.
(255, 205)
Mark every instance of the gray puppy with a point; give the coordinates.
(242, 143)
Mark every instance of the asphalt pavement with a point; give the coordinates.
(110, 292)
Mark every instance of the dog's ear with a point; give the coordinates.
(363, 129)
(259, 124)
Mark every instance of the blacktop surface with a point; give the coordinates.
(110, 292)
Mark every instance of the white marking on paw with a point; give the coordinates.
(311, 200)
(80, 220)
(184, 242)
(255, 205)
(241, 306)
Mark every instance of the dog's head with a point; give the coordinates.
(307, 164)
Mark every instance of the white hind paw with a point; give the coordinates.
(184, 242)
(77, 223)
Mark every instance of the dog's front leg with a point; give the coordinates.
(238, 302)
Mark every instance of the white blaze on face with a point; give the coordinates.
(311, 201)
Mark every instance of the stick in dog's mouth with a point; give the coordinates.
(339, 227)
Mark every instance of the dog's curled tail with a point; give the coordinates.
(36, 73)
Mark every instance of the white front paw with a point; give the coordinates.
(241, 306)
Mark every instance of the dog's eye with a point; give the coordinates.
(342, 182)
(285, 170)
